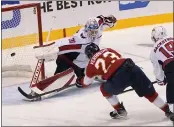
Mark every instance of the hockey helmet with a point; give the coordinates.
(158, 33)
(91, 49)
(91, 27)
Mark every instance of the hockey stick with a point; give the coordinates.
(48, 36)
(58, 90)
(40, 95)
(46, 93)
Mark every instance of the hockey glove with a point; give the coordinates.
(101, 17)
(162, 83)
(79, 82)
(111, 18)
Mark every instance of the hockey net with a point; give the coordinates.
(21, 29)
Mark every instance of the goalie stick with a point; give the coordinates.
(46, 93)
(58, 90)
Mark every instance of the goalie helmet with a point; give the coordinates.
(158, 33)
(91, 28)
(91, 49)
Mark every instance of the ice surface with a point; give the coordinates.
(79, 107)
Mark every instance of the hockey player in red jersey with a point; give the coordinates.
(162, 58)
(119, 73)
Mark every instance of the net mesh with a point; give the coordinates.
(20, 33)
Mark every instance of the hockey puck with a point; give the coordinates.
(13, 54)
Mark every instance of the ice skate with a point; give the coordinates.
(169, 114)
(121, 113)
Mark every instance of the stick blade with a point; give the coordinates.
(24, 94)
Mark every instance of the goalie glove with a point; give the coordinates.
(162, 83)
(109, 20)
(47, 52)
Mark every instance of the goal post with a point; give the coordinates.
(21, 28)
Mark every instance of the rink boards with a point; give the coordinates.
(66, 17)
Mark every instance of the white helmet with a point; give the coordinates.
(91, 27)
(158, 33)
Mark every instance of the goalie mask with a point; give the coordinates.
(158, 33)
(91, 49)
(91, 28)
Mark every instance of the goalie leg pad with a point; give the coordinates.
(54, 82)
(61, 79)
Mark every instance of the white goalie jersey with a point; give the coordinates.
(161, 54)
(76, 43)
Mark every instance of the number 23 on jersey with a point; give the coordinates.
(104, 62)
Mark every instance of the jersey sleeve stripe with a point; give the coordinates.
(69, 47)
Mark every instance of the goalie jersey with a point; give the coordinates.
(80, 40)
(161, 54)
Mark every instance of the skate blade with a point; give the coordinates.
(121, 118)
(29, 100)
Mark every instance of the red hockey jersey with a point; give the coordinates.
(104, 63)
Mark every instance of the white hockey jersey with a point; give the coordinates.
(161, 54)
(78, 43)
